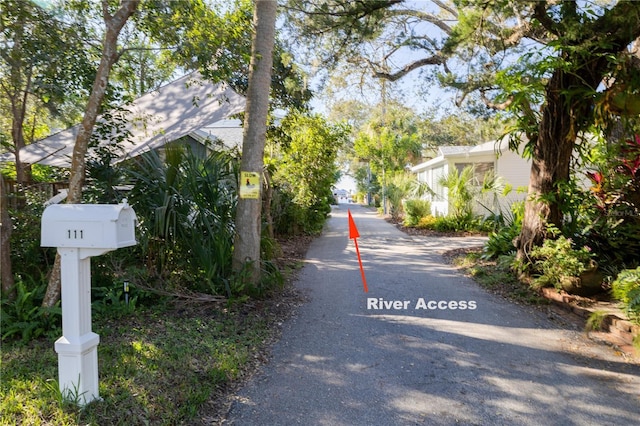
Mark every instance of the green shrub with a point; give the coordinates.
(462, 192)
(446, 223)
(427, 222)
(506, 228)
(557, 259)
(414, 210)
(500, 242)
(25, 318)
(626, 288)
(455, 223)
(186, 209)
(606, 217)
(28, 259)
(292, 218)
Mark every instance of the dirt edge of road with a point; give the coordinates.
(611, 327)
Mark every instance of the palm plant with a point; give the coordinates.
(186, 205)
(397, 190)
(462, 192)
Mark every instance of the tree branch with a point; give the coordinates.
(540, 13)
(423, 16)
(446, 7)
(433, 60)
(105, 11)
(490, 104)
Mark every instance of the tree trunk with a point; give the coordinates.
(18, 100)
(550, 165)
(6, 271)
(563, 117)
(246, 254)
(114, 25)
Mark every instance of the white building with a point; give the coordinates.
(490, 156)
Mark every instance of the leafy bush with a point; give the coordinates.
(305, 171)
(427, 222)
(626, 288)
(292, 218)
(500, 242)
(448, 223)
(557, 259)
(25, 318)
(186, 210)
(415, 210)
(609, 215)
(454, 223)
(461, 191)
(27, 257)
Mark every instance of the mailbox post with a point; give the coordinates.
(81, 231)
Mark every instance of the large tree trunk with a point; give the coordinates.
(246, 254)
(6, 271)
(563, 118)
(552, 151)
(114, 25)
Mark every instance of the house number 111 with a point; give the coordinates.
(75, 234)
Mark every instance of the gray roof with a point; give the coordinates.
(164, 115)
(229, 132)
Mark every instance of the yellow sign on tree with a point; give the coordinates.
(249, 185)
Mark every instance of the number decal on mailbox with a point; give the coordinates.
(75, 234)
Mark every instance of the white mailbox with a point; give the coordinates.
(103, 226)
(80, 231)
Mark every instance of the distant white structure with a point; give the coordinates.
(490, 156)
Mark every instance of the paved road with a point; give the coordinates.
(343, 361)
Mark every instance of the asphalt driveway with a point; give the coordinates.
(425, 345)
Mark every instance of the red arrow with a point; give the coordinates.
(354, 234)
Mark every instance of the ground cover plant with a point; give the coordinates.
(559, 259)
(162, 360)
(415, 210)
(626, 288)
(495, 275)
(156, 367)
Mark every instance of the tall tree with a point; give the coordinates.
(36, 71)
(113, 24)
(584, 61)
(6, 270)
(246, 255)
(36, 76)
(307, 167)
(390, 139)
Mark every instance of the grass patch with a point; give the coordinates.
(495, 276)
(175, 363)
(155, 367)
